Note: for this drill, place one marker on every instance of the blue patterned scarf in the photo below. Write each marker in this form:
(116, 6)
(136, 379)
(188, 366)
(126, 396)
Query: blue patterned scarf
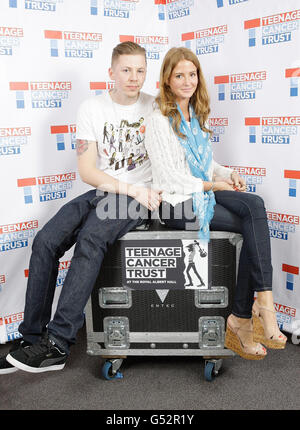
(199, 156)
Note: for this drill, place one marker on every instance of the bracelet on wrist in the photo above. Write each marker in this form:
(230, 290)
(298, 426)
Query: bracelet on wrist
(212, 186)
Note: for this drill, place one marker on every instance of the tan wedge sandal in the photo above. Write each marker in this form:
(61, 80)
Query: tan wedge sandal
(233, 342)
(270, 337)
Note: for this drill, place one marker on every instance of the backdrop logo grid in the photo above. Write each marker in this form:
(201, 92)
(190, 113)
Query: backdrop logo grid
(60, 131)
(218, 127)
(220, 3)
(206, 41)
(43, 94)
(273, 130)
(291, 271)
(99, 87)
(51, 187)
(2, 281)
(12, 139)
(284, 314)
(76, 44)
(154, 45)
(280, 224)
(293, 75)
(10, 39)
(114, 8)
(15, 236)
(274, 28)
(243, 86)
(36, 5)
(292, 176)
(10, 325)
(173, 9)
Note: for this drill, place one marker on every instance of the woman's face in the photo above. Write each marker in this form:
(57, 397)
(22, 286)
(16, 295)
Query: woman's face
(183, 80)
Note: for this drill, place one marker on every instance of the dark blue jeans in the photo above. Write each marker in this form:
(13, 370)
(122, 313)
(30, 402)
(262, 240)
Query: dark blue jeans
(93, 222)
(237, 212)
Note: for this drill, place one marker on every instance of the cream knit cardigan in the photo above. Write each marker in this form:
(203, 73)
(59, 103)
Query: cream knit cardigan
(170, 169)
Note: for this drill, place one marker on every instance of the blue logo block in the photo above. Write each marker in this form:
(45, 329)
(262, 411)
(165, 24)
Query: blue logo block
(220, 3)
(28, 195)
(289, 281)
(13, 3)
(20, 104)
(292, 187)
(28, 199)
(60, 142)
(294, 92)
(94, 7)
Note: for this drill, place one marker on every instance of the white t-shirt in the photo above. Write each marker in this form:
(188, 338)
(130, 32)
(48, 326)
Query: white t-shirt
(119, 131)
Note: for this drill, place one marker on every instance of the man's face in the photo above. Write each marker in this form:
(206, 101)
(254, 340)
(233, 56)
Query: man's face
(129, 73)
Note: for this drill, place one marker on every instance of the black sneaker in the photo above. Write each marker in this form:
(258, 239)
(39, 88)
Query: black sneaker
(5, 366)
(40, 357)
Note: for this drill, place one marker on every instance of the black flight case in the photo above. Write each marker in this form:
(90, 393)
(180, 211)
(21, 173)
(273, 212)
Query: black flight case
(162, 292)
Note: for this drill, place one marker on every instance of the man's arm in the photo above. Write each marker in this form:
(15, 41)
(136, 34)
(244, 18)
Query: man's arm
(90, 174)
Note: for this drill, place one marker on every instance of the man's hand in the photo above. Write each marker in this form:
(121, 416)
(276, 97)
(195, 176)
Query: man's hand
(148, 197)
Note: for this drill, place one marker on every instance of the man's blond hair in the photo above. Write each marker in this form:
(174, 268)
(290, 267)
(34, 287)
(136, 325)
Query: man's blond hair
(127, 48)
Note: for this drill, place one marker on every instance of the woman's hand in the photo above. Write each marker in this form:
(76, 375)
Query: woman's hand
(148, 197)
(223, 185)
(236, 183)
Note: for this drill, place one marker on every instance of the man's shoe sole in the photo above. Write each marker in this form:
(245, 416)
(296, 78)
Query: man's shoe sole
(8, 370)
(31, 369)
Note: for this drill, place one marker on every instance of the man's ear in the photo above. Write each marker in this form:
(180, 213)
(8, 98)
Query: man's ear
(111, 73)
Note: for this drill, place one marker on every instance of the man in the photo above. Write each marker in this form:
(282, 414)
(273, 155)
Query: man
(85, 220)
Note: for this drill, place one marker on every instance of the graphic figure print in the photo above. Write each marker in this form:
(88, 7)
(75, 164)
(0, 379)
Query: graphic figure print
(192, 250)
(123, 144)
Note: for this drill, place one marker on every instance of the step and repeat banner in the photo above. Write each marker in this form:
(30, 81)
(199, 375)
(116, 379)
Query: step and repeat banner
(56, 53)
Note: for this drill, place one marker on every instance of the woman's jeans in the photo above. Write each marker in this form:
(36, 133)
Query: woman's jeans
(237, 212)
(92, 222)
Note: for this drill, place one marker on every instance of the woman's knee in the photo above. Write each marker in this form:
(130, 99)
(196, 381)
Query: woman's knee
(258, 201)
(256, 205)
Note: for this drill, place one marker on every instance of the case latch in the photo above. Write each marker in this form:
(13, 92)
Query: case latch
(211, 332)
(116, 332)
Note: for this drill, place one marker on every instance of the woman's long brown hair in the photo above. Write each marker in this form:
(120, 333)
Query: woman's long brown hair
(166, 99)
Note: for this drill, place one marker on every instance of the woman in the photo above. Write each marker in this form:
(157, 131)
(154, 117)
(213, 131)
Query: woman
(200, 194)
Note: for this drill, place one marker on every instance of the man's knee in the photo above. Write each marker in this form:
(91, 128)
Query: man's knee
(41, 240)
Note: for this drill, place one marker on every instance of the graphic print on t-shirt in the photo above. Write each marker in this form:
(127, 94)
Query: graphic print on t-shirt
(123, 144)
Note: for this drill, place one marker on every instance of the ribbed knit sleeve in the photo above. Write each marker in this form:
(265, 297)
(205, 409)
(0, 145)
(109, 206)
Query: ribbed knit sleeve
(222, 171)
(170, 169)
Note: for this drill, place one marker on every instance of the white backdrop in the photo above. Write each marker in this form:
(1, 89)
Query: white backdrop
(55, 53)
